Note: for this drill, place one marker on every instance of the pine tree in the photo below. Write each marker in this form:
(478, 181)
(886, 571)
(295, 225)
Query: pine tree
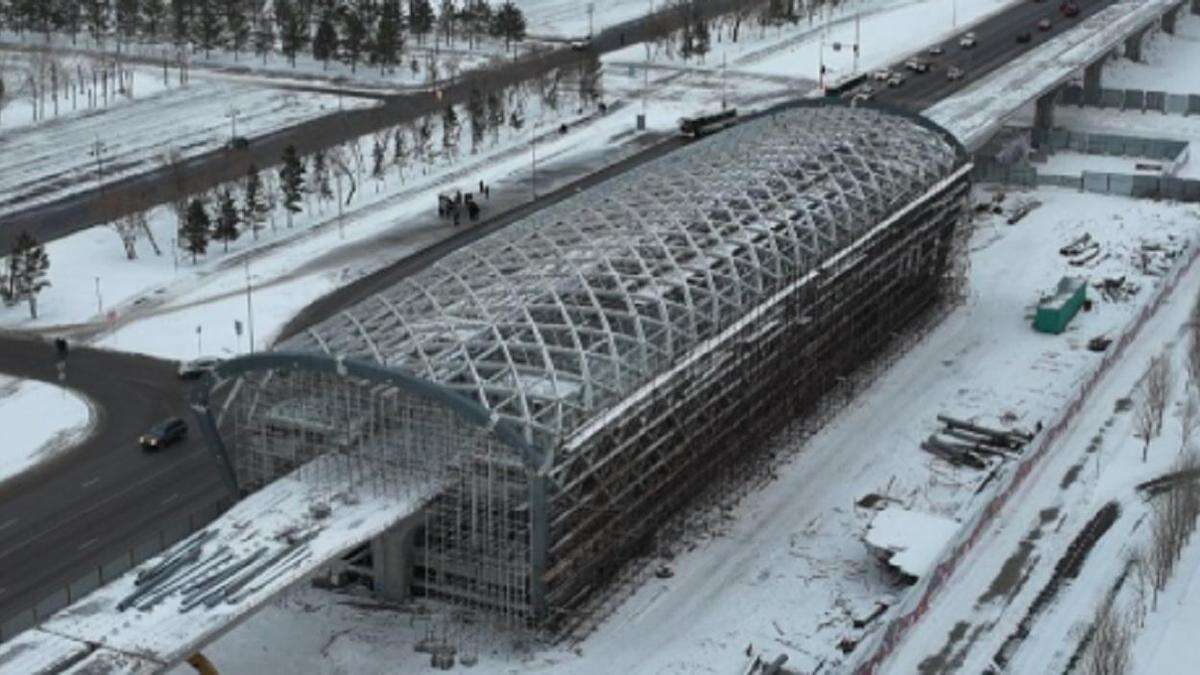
(389, 41)
(228, 220)
(208, 28)
(320, 177)
(495, 106)
(477, 114)
(196, 229)
(450, 129)
(420, 18)
(293, 32)
(181, 13)
(237, 25)
(129, 18)
(354, 38)
(253, 207)
(153, 12)
(325, 43)
(509, 22)
(264, 36)
(291, 178)
(378, 158)
(28, 266)
(97, 18)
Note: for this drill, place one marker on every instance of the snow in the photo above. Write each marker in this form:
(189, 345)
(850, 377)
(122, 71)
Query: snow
(38, 652)
(914, 539)
(1167, 644)
(40, 420)
(1075, 163)
(1168, 61)
(975, 113)
(983, 594)
(49, 161)
(271, 519)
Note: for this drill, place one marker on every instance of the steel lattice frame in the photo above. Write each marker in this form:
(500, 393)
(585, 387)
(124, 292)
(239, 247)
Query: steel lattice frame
(563, 314)
(643, 335)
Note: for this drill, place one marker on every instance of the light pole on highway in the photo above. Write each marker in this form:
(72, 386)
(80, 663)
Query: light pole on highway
(99, 299)
(533, 163)
(97, 151)
(232, 114)
(249, 309)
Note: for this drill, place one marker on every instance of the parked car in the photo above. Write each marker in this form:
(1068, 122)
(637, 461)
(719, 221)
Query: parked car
(882, 75)
(194, 369)
(1024, 37)
(968, 41)
(895, 80)
(954, 73)
(917, 66)
(164, 434)
(937, 50)
(1044, 24)
(860, 98)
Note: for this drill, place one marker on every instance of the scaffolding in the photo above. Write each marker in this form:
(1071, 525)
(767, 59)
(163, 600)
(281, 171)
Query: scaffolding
(645, 337)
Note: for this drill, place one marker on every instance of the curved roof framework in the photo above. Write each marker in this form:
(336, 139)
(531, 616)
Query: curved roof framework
(561, 315)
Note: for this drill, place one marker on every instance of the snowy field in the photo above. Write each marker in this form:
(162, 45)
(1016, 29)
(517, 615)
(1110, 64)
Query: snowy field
(1074, 163)
(57, 158)
(1168, 61)
(40, 420)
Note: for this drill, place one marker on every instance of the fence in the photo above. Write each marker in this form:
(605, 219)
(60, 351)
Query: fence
(1132, 99)
(917, 602)
(117, 562)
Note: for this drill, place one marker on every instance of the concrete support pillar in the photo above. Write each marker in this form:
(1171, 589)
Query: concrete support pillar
(1043, 117)
(1133, 45)
(1091, 81)
(1195, 6)
(1168, 20)
(392, 558)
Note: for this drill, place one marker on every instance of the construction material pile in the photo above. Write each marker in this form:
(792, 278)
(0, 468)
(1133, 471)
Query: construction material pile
(971, 445)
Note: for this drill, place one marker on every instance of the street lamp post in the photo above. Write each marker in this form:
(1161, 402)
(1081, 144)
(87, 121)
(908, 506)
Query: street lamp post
(98, 148)
(232, 114)
(99, 299)
(249, 309)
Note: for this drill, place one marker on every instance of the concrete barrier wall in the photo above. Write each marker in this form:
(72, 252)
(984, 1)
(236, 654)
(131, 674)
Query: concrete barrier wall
(1132, 99)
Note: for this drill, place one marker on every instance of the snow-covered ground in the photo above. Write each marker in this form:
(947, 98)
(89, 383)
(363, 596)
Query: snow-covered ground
(1168, 61)
(1074, 163)
(1167, 643)
(39, 421)
(785, 570)
(57, 158)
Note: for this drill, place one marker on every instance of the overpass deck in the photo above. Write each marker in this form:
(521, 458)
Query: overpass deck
(979, 111)
(265, 543)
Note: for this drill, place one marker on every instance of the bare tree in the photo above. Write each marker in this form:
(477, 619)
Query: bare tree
(1143, 585)
(1109, 651)
(1189, 419)
(1155, 393)
(128, 231)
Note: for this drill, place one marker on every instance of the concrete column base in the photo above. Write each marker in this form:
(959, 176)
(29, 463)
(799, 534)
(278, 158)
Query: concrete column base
(1091, 82)
(1043, 116)
(392, 559)
(1133, 47)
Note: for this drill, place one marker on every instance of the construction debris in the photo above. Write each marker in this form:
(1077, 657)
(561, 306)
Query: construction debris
(1116, 289)
(965, 444)
(1099, 343)
(908, 541)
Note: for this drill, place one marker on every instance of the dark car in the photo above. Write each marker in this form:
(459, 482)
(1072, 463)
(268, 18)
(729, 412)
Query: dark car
(1024, 37)
(164, 434)
(1044, 24)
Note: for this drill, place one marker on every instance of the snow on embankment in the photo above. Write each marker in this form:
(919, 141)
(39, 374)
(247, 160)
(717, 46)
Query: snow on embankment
(41, 420)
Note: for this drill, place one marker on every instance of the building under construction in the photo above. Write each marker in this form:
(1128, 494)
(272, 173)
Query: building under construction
(551, 393)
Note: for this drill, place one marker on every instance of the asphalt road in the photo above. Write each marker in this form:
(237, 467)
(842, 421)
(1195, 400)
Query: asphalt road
(997, 46)
(83, 508)
(160, 185)
(86, 505)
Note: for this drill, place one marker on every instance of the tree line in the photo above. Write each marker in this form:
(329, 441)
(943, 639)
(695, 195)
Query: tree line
(351, 31)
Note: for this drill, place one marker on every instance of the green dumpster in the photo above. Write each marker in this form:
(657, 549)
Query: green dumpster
(1056, 311)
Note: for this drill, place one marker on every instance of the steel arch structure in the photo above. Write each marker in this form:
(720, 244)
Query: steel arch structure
(640, 338)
